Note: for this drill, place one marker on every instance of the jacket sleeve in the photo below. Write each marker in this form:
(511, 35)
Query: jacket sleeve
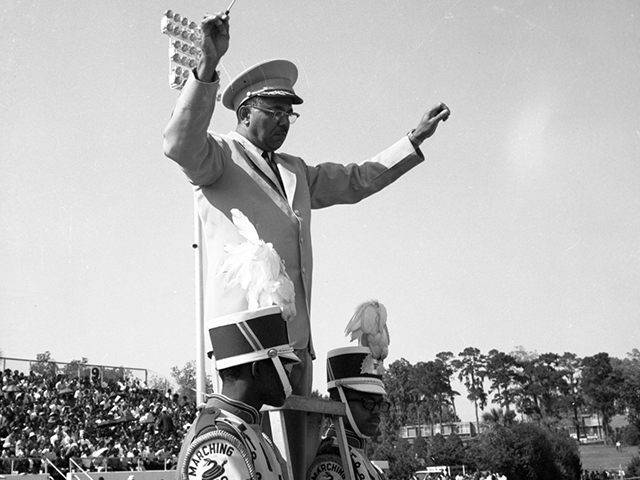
(186, 141)
(333, 183)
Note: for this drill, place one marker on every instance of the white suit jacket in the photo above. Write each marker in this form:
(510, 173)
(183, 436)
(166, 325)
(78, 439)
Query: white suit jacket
(226, 174)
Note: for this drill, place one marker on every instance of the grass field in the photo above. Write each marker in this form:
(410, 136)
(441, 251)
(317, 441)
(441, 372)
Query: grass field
(605, 457)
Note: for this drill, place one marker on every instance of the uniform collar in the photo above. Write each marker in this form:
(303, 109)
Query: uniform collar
(247, 413)
(246, 143)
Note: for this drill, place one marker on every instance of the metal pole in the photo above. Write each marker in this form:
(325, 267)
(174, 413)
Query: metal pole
(200, 355)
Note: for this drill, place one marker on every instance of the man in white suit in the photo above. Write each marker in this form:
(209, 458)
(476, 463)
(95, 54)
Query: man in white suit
(276, 191)
(245, 170)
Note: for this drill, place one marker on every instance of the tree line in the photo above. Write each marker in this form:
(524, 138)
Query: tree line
(541, 388)
(524, 435)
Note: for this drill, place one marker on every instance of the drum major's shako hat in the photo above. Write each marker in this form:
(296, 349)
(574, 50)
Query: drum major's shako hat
(249, 336)
(355, 368)
(270, 78)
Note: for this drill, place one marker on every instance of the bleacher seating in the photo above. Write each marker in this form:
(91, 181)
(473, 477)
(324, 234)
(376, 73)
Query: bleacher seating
(104, 425)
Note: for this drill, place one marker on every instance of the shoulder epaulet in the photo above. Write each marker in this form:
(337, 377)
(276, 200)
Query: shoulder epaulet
(206, 419)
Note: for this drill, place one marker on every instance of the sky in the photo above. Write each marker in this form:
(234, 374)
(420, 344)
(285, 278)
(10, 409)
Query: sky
(521, 228)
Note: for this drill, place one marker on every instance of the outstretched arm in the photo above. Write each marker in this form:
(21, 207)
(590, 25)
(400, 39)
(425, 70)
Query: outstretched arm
(332, 183)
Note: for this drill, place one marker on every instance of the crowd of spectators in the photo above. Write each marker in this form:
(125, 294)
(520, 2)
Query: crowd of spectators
(103, 425)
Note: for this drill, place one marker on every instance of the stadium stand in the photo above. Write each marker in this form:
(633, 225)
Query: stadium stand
(112, 425)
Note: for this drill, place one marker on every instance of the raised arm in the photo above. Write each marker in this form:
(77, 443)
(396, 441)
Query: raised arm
(186, 140)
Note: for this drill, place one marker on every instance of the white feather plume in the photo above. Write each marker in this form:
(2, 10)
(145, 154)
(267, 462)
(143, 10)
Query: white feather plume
(256, 267)
(369, 326)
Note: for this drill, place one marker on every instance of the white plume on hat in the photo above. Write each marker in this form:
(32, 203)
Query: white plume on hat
(256, 267)
(369, 326)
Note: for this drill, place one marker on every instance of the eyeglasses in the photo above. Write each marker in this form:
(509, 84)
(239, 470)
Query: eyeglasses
(278, 115)
(370, 404)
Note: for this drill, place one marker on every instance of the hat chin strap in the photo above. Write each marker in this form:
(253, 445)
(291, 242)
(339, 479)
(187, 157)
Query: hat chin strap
(284, 379)
(356, 430)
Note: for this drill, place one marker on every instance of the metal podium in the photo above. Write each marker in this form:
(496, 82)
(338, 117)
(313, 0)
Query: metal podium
(317, 411)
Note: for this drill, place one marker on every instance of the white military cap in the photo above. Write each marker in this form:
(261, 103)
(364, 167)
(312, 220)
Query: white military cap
(270, 78)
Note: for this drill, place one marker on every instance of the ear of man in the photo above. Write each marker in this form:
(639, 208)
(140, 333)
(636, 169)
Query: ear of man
(255, 370)
(243, 114)
(258, 369)
(244, 111)
(262, 370)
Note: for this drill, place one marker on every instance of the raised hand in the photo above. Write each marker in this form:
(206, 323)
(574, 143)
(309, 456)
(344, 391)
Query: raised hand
(430, 120)
(214, 44)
